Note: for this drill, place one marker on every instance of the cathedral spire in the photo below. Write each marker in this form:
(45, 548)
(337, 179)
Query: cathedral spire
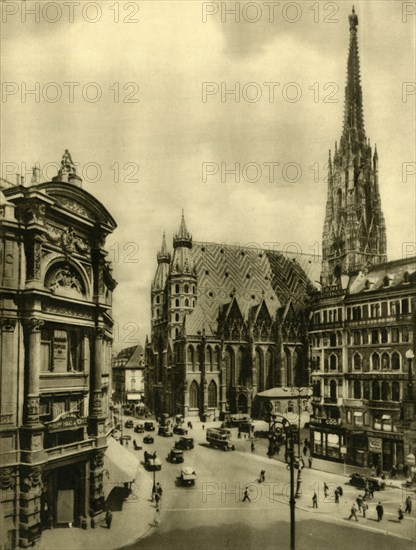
(353, 131)
(183, 237)
(163, 255)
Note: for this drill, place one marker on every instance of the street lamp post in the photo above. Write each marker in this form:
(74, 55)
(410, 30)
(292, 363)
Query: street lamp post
(300, 392)
(280, 422)
(410, 356)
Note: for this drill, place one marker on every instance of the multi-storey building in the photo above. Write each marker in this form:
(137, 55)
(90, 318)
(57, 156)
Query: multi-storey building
(128, 373)
(362, 329)
(227, 322)
(55, 354)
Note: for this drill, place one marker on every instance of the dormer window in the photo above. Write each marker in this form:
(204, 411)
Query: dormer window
(386, 281)
(406, 277)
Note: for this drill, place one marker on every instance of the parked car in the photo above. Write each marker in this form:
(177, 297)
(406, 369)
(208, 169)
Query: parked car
(175, 456)
(128, 423)
(179, 430)
(127, 411)
(148, 439)
(262, 433)
(358, 480)
(149, 426)
(188, 476)
(153, 464)
(165, 431)
(139, 428)
(184, 443)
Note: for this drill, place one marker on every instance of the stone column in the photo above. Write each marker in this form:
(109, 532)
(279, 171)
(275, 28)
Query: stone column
(97, 511)
(34, 327)
(96, 409)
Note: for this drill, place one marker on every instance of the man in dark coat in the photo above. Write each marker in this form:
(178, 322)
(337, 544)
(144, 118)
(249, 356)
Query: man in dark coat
(380, 511)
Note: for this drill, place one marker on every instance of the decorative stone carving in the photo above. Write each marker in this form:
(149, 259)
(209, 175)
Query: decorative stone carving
(35, 213)
(32, 408)
(33, 324)
(7, 324)
(98, 460)
(74, 206)
(7, 479)
(65, 277)
(32, 480)
(100, 332)
(97, 403)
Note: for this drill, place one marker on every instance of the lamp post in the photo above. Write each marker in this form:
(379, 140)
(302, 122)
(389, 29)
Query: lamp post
(298, 392)
(279, 423)
(410, 356)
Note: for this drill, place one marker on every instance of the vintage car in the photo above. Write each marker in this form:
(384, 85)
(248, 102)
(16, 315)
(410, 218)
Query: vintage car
(179, 430)
(188, 476)
(149, 426)
(175, 456)
(220, 438)
(148, 439)
(165, 431)
(152, 463)
(374, 484)
(184, 443)
(128, 423)
(139, 428)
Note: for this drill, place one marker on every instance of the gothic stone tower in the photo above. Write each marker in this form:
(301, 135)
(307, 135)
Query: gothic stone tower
(354, 232)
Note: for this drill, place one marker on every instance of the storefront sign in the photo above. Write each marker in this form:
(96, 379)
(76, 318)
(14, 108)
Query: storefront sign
(66, 422)
(375, 444)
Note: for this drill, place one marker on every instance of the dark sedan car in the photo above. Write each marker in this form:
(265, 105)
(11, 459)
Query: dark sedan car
(179, 430)
(374, 484)
(139, 428)
(128, 424)
(149, 426)
(148, 439)
(185, 443)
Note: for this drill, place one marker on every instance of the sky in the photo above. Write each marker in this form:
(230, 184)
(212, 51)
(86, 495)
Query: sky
(141, 95)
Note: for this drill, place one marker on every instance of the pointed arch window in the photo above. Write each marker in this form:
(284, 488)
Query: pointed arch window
(212, 394)
(177, 289)
(191, 357)
(176, 317)
(333, 389)
(375, 361)
(269, 369)
(186, 302)
(186, 290)
(229, 368)
(258, 358)
(357, 361)
(209, 359)
(333, 362)
(395, 361)
(194, 395)
(385, 361)
(177, 302)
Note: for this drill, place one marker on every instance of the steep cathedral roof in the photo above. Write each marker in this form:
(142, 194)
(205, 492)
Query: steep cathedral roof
(246, 277)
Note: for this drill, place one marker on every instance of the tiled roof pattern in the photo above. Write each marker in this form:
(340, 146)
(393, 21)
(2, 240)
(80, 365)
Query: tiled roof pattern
(249, 274)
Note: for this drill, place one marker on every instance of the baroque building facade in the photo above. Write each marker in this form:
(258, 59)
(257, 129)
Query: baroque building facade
(362, 329)
(55, 354)
(227, 322)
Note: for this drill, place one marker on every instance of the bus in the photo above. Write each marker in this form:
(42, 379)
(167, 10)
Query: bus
(220, 438)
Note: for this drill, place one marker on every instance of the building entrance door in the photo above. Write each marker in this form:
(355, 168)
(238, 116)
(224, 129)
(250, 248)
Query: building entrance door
(65, 506)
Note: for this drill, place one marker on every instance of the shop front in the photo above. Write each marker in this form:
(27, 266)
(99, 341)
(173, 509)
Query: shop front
(327, 439)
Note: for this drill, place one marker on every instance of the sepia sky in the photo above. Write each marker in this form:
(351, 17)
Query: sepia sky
(120, 84)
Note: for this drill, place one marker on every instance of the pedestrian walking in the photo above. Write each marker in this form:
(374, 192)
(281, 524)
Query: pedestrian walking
(262, 476)
(314, 500)
(340, 490)
(159, 490)
(380, 511)
(203, 427)
(336, 494)
(400, 513)
(157, 500)
(108, 519)
(393, 472)
(252, 447)
(310, 462)
(408, 502)
(326, 489)
(305, 450)
(353, 513)
(360, 502)
(365, 508)
(246, 495)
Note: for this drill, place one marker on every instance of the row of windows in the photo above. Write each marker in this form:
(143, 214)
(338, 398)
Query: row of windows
(186, 289)
(359, 419)
(378, 361)
(365, 311)
(357, 389)
(379, 309)
(384, 335)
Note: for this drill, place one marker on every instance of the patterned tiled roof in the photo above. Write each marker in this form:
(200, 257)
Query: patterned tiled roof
(250, 275)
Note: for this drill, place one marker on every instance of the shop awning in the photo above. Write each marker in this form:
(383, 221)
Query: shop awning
(120, 464)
